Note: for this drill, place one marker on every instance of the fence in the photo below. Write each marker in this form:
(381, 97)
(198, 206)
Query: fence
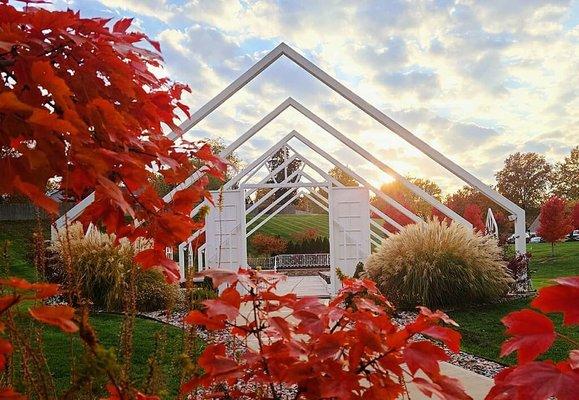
(291, 261)
(27, 211)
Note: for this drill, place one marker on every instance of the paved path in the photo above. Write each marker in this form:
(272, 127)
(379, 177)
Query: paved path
(310, 285)
(477, 386)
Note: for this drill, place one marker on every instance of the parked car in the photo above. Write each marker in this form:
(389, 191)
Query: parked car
(536, 239)
(573, 236)
(511, 239)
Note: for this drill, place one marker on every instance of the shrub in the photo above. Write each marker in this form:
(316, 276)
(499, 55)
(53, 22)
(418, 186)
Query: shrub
(349, 348)
(199, 295)
(310, 233)
(100, 266)
(268, 245)
(436, 264)
(153, 293)
(314, 245)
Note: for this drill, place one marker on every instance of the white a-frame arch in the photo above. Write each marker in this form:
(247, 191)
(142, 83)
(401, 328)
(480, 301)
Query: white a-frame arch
(283, 49)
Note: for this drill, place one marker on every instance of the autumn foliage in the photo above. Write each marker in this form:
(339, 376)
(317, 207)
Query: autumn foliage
(473, 214)
(267, 244)
(348, 349)
(532, 334)
(79, 101)
(575, 216)
(554, 221)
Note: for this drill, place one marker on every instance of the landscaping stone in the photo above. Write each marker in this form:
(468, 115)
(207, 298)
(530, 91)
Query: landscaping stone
(473, 363)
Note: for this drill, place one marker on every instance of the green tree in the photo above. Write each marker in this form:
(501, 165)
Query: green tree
(406, 197)
(525, 179)
(566, 176)
(341, 176)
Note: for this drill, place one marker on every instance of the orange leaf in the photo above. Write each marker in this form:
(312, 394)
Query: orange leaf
(42, 290)
(220, 276)
(151, 258)
(424, 355)
(10, 394)
(449, 337)
(9, 102)
(59, 316)
(5, 349)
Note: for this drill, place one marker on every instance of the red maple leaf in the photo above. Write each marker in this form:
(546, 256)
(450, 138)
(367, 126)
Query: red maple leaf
(563, 297)
(424, 355)
(536, 381)
(533, 334)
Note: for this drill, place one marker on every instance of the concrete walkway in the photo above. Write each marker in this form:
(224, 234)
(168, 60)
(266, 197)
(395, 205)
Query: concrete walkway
(309, 285)
(477, 386)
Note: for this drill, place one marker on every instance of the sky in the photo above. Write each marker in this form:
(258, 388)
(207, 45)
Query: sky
(477, 80)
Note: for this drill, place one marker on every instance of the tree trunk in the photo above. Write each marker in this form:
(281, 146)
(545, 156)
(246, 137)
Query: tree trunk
(553, 249)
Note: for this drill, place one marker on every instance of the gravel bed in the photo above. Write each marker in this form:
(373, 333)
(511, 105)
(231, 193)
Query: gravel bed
(473, 363)
(468, 361)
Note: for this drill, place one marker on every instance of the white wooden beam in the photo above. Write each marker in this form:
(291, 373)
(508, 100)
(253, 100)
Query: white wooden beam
(270, 216)
(255, 163)
(374, 160)
(229, 91)
(269, 194)
(284, 185)
(383, 119)
(396, 128)
(318, 203)
(272, 173)
(372, 208)
(364, 182)
(270, 206)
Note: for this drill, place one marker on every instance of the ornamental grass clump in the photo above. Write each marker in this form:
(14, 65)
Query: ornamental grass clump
(436, 264)
(101, 267)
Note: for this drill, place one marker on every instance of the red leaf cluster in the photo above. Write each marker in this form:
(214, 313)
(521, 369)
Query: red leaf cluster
(473, 214)
(79, 100)
(575, 216)
(554, 222)
(533, 334)
(348, 349)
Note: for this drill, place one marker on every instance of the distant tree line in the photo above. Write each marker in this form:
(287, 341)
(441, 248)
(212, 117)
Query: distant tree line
(527, 179)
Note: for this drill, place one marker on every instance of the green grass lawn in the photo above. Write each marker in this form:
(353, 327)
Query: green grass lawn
(57, 345)
(483, 333)
(288, 225)
(16, 236)
(61, 349)
(481, 328)
(544, 267)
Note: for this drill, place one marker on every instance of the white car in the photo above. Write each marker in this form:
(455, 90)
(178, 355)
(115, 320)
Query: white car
(511, 239)
(536, 239)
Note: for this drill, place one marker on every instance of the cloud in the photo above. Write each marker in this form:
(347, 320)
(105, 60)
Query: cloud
(424, 83)
(475, 79)
(159, 9)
